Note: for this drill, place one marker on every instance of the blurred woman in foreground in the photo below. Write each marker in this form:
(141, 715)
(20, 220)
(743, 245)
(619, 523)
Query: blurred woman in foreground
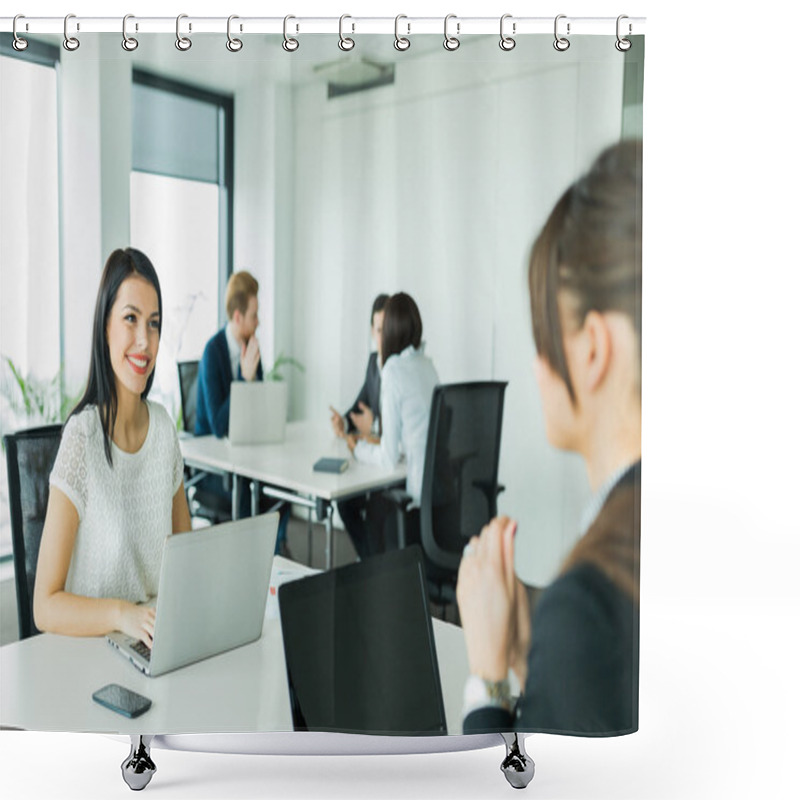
(578, 663)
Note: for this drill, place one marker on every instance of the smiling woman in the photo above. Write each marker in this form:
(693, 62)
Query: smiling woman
(100, 555)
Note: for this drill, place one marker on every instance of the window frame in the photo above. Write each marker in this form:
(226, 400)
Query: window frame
(224, 104)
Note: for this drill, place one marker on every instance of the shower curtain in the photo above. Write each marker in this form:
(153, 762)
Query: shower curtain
(332, 175)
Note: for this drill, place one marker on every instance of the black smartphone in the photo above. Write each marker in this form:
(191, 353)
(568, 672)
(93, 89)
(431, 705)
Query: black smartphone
(122, 700)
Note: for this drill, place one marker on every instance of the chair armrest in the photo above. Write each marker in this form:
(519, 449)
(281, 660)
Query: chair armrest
(401, 501)
(399, 498)
(490, 492)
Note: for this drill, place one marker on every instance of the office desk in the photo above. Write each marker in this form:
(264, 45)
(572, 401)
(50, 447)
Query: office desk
(286, 470)
(47, 681)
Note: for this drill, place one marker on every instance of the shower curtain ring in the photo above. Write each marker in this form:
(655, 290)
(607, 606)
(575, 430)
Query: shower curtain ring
(507, 42)
(451, 43)
(71, 43)
(129, 43)
(183, 43)
(289, 44)
(561, 43)
(19, 44)
(345, 42)
(622, 44)
(233, 44)
(401, 43)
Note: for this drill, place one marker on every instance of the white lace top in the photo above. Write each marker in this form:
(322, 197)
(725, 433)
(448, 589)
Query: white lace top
(126, 512)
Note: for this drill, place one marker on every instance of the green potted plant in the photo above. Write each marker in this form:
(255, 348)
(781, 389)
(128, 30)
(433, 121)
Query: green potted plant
(32, 400)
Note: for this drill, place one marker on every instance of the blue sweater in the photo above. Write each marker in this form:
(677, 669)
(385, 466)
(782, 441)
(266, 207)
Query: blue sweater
(214, 380)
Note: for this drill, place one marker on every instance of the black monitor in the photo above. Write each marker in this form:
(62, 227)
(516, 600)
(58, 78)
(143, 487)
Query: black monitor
(360, 653)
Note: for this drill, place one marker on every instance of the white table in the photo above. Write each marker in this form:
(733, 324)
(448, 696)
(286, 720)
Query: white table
(48, 681)
(286, 470)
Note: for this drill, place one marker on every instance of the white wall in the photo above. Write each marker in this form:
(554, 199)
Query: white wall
(437, 186)
(254, 195)
(95, 163)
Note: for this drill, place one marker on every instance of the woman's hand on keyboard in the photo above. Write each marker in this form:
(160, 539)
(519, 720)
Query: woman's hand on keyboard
(138, 621)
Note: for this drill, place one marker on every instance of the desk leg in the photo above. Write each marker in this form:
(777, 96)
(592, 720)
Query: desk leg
(236, 490)
(329, 536)
(138, 768)
(255, 495)
(310, 537)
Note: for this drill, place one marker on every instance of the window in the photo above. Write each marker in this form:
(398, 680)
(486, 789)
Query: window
(181, 211)
(30, 320)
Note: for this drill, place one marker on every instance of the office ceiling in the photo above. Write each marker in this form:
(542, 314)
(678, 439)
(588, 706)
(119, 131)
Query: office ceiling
(262, 57)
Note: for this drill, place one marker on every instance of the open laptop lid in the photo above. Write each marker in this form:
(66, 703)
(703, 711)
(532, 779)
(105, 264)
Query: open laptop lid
(212, 591)
(257, 412)
(360, 652)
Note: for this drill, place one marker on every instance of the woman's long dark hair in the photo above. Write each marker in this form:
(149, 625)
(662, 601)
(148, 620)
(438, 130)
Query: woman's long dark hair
(101, 388)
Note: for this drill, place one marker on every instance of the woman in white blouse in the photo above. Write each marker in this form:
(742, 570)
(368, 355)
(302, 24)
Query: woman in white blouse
(116, 489)
(408, 378)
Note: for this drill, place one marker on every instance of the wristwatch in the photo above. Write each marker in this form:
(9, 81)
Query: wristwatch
(479, 693)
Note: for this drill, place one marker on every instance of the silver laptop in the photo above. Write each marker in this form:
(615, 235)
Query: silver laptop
(212, 594)
(257, 412)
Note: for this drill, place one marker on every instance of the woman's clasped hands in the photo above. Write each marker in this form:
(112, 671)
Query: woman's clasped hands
(493, 604)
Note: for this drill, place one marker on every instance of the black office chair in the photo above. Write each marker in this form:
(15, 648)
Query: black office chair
(30, 455)
(208, 505)
(187, 381)
(459, 480)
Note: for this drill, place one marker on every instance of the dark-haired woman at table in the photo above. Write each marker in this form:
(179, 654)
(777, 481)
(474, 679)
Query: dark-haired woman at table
(408, 378)
(116, 489)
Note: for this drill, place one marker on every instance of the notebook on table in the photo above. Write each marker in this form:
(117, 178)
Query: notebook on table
(335, 465)
(212, 593)
(359, 648)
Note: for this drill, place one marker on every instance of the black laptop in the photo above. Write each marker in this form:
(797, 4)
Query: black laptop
(360, 653)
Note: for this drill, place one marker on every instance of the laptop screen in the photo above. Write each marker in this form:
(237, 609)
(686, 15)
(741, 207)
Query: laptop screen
(359, 648)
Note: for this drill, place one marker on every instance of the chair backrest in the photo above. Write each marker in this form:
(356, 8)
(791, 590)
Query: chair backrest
(187, 379)
(30, 455)
(459, 481)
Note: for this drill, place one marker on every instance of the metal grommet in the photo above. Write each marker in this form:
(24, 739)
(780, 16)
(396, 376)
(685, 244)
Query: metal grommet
(451, 43)
(622, 44)
(507, 42)
(400, 42)
(561, 43)
(129, 43)
(233, 44)
(289, 44)
(19, 44)
(183, 43)
(345, 42)
(70, 42)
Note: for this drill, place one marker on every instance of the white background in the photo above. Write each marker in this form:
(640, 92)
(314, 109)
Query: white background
(720, 600)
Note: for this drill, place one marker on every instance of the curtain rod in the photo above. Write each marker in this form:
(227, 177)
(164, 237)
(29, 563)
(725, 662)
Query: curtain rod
(406, 26)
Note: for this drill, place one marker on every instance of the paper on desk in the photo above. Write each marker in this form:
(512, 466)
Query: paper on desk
(283, 571)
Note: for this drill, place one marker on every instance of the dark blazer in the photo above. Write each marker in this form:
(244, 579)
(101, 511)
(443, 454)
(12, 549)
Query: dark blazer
(370, 393)
(214, 378)
(583, 666)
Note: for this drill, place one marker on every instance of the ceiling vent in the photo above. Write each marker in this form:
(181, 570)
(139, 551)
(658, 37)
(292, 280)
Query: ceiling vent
(354, 74)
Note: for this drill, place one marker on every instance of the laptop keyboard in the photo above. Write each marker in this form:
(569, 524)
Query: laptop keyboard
(142, 649)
